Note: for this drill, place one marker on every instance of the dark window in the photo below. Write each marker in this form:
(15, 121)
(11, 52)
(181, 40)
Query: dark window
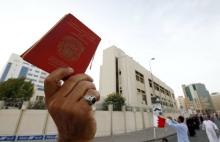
(5, 73)
(150, 82)
(144, 98)
(156, 86)
(23, 72)
(39, 98)
(117, 78)
(142, 80)
(194, 86)
(43, 73)
(139, 76)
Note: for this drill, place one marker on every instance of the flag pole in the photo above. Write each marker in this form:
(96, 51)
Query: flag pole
(155, 135)
(154, 132)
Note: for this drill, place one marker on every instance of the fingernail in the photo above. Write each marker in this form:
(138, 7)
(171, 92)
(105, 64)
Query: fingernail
(70, 70)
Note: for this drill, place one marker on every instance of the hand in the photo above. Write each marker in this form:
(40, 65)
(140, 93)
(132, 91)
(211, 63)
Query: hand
(71, 113)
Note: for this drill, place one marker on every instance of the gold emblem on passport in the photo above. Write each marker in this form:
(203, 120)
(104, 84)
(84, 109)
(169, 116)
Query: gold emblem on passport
(70, 48)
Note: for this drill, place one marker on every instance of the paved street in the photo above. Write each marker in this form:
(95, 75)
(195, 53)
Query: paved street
(147, 135)
(200, 136)
(139, 136)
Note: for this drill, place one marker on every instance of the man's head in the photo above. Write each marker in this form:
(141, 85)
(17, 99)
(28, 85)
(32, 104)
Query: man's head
(209, 117)
(180, 119)
(164, 140)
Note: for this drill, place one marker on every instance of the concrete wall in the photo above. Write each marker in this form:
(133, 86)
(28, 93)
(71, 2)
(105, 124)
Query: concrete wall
(8, 121)
(39, 122)
(130, 121)
(32, 122)
(51, 128)
(103, 123)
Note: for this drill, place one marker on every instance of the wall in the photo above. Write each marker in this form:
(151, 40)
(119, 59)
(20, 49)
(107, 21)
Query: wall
(39, 122)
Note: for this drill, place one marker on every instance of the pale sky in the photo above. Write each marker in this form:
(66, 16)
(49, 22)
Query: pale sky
(183, 35)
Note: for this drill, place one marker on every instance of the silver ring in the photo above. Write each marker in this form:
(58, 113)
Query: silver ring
(90, 99)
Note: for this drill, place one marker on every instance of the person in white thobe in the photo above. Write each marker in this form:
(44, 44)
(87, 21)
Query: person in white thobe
(210, 128)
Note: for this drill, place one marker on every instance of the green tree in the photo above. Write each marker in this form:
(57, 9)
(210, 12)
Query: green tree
(16, 88)
(116, 100)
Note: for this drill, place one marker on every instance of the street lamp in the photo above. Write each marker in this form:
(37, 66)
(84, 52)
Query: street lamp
(152, 78)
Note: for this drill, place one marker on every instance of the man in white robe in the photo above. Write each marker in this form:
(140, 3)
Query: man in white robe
(210, 128)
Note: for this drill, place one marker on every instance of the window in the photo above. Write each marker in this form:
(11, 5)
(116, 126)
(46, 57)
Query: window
(156, 86)
(144, 99)
(119, 72)
(150, 82)
(161, 89)
(41, 81)
(43, 73)
(142, 91)
(194, 87)
(39, 98)
(42, 77)
(5, 73)
(23, 72)
(139, 76)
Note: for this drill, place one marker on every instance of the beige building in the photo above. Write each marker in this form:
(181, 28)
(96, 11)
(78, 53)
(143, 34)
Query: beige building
(181, 103)
(215, 97)
(122, 74)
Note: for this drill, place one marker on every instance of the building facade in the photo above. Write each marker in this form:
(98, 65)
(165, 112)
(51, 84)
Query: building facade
(181, 102)
(197, 97)
(121, 74)
(215, 97)
(17, 67)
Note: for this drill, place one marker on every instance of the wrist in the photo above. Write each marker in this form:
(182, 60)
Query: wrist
(72, 139)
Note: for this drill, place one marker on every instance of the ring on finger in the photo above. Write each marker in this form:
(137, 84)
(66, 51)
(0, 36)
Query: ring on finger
(90, 99)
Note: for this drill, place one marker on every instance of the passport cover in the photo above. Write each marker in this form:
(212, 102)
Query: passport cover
(68, 44)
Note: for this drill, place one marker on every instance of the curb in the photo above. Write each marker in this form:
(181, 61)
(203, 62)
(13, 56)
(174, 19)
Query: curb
(160, 138)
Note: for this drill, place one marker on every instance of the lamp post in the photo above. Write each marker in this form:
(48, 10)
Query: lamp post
(152, 78)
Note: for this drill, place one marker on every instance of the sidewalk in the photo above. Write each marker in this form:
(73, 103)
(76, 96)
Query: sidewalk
(138, 136)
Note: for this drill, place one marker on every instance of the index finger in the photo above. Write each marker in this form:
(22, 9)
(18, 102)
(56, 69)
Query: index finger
(50, 83)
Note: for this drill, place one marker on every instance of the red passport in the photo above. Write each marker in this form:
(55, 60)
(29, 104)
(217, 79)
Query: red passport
(68, 44)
